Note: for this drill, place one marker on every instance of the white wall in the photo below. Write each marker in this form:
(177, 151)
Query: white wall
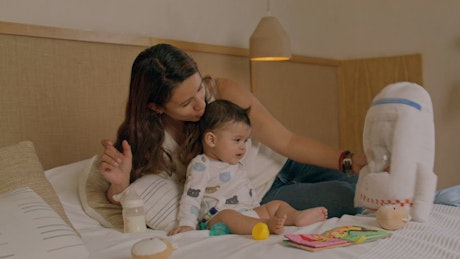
(322, 28)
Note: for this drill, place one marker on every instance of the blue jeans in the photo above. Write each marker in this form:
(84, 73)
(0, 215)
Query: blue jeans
(306, 186)
(449, 196)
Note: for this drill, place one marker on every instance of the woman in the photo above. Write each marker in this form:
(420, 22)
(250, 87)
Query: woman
(159, 134)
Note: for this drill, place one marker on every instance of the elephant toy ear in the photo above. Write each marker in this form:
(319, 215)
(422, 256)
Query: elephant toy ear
(398, 139)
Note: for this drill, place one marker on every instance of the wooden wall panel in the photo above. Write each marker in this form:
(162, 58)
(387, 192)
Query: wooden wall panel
(302, 95)
(228, 66)
(359, 81)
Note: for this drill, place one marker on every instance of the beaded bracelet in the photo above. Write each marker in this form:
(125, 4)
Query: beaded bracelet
(346, 163)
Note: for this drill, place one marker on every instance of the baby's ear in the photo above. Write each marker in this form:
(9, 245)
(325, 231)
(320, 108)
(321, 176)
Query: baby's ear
(210, 139)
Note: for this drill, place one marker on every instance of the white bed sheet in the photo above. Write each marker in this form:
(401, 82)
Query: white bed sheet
(438, 238)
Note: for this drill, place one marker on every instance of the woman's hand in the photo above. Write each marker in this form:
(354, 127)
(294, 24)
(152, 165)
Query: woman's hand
(359, 161)
(116, 167)
(180, 229)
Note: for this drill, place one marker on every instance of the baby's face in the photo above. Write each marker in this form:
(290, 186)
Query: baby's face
(230, 142)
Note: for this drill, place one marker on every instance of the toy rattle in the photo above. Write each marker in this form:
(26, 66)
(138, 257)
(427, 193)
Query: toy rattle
(152, 248)
(392, 217)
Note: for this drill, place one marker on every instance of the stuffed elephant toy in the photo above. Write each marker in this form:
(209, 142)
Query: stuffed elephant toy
(398, 141)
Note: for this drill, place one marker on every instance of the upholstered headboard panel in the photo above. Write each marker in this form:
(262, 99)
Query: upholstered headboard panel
(65, 95)
(62, 95)
(65, 89)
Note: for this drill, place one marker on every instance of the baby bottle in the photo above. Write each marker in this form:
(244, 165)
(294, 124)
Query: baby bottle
(133, 212)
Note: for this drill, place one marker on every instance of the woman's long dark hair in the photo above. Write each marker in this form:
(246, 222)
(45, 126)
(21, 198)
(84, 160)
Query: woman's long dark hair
(155, 73)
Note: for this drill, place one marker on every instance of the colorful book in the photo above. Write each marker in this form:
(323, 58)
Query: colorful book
(314, 242)
(336, 237)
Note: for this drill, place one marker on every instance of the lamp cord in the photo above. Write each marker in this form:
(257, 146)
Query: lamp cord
(268, 8)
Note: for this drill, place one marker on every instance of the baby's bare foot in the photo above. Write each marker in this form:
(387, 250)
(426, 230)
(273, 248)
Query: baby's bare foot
(310, 216)
(276, 224)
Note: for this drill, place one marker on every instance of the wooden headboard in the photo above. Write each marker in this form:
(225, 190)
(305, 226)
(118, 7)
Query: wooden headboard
(65, 89)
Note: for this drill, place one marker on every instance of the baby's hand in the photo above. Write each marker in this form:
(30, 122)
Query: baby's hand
(180, 229)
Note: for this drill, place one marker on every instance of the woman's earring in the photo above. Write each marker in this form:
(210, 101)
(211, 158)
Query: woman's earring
(155, 109)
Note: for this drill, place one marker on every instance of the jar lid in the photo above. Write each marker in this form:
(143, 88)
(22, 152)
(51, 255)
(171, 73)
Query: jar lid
(133, 203)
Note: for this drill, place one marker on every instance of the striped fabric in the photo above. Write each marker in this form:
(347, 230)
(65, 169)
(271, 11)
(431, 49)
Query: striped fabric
(30, 228)
(438, 238)
(161, 197)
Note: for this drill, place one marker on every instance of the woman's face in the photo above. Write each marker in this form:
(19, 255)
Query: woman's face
(187, 101)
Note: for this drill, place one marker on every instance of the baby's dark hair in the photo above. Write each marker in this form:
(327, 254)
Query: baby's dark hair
(222, 111)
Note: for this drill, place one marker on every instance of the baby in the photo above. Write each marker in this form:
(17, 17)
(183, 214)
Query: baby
(217, 188)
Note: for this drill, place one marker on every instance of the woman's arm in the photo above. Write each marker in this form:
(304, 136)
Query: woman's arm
(275, 135)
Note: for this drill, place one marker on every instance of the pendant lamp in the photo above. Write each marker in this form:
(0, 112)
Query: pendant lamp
(269, 41)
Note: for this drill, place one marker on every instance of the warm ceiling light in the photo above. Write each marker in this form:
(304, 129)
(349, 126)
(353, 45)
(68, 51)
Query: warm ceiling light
(269, 41)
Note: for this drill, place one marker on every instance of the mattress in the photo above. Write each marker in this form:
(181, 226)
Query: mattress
(437, 238)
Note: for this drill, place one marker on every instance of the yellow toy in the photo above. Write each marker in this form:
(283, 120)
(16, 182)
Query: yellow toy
(260, 231)
(152, 248)
(392, 217)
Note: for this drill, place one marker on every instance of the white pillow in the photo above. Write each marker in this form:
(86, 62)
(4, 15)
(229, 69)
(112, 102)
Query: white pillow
(161, 197)
(20, 167)
(161, 200)
(30, 228)
(92, 187)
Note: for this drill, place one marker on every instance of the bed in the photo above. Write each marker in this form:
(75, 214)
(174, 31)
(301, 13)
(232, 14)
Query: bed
(438, 238)
(48, 144)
